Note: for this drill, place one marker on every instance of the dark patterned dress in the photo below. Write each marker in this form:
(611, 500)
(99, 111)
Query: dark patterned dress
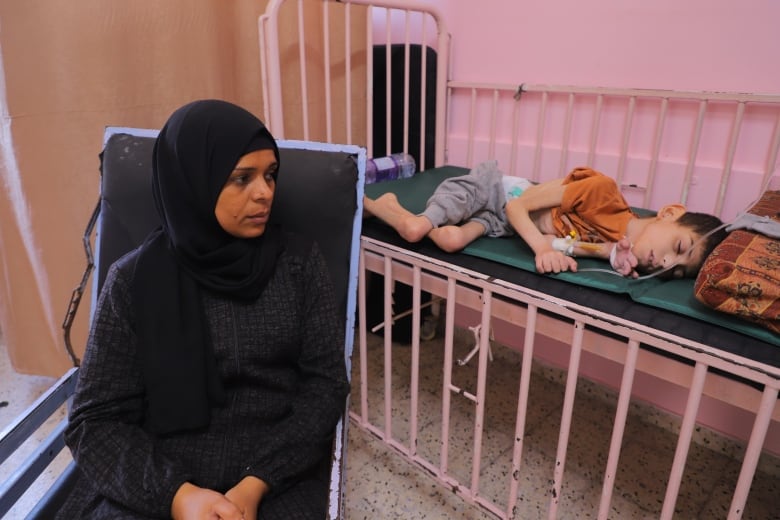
(281, 359)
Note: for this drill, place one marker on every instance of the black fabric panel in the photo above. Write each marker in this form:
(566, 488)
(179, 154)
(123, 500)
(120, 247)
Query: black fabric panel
(397, 68)
(612, 303)
(127, 212)
(316, 195)
(402, 297)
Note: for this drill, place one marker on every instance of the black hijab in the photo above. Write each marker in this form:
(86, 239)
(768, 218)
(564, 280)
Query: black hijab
(194, 155)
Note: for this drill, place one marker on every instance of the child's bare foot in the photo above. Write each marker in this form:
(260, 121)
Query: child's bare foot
(386, 207)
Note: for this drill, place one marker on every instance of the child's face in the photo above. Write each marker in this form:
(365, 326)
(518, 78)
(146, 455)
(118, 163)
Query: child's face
(664, 242)
(244, 204)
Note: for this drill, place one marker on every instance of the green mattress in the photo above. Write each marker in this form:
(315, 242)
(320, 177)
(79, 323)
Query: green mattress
(671, 295)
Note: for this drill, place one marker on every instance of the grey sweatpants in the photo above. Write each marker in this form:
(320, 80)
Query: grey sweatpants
(477, 196)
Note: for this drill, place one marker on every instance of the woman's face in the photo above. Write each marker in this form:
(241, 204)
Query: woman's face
(244, 204)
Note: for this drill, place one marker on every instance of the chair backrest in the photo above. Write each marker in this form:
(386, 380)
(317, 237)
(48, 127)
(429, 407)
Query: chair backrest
(319, 193)
(316, 194)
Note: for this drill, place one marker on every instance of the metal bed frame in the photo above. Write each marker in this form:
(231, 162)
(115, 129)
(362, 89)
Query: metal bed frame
(543, 131)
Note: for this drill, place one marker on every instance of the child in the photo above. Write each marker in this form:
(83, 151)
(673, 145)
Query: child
(585, 205)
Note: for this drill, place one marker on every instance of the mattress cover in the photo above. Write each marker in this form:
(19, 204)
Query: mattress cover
(668, 305)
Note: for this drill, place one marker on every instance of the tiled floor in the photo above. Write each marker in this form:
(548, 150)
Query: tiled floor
(381, 485)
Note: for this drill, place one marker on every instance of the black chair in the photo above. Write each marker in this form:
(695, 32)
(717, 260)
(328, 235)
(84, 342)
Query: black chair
(319, 193)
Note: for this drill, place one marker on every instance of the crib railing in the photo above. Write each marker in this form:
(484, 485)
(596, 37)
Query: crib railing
(712, 151)
(336, 83)
(537, 315)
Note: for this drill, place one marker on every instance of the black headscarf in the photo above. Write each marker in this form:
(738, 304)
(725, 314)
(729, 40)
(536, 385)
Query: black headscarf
(194, 155)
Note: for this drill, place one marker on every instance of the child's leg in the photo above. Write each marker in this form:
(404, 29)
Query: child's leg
(454, 238)
(411, 227)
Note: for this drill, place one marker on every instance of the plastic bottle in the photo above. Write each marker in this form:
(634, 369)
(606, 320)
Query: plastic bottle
(390, 167)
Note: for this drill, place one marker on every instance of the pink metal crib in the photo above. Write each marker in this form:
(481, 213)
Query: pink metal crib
(541, 132)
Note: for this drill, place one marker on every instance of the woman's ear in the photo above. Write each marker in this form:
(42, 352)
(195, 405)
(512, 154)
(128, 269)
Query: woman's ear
(671, 211)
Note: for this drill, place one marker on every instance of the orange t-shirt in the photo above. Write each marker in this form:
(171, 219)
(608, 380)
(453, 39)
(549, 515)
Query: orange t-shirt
(593, 206)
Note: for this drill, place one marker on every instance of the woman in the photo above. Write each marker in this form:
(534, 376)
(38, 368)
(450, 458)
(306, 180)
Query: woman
(214, 374)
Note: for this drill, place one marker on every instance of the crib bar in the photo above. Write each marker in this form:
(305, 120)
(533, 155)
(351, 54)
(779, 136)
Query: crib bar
(749, 463)
(693, 150)
(415, 382)
(594, 130)
(388, 347)
(369, 83)
(515, 133)
(472, 117)
(479, 419)
(348, 71)
(262, 37)
(447, 380)
(423, 90)
(269, 52)
(733, 141)
(407, 66)
(772, 153)
(539, 138)
(562, 170)
(684, 440)
(627, 126)
(302, 70)
(326, 53)
(618, 428)
(522, 406)
(388, 83)
(568, 411)
(659, 130)
(493, 126)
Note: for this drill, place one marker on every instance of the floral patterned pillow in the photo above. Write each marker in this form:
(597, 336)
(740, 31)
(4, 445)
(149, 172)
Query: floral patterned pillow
(742, 275)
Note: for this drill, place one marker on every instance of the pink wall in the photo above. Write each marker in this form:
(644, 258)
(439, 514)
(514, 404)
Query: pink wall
(667, 44)
(701, 45)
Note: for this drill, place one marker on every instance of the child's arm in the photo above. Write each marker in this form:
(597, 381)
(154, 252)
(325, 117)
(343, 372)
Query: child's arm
(619, 255)
(518, 211)
(548, 259)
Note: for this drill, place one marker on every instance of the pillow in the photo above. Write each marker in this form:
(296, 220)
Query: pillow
(742, 274)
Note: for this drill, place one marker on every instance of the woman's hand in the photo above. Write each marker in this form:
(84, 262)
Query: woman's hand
(196, 503)
(247, 495)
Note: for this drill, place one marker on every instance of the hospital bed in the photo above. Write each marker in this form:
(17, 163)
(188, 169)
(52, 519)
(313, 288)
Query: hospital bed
(715, 152)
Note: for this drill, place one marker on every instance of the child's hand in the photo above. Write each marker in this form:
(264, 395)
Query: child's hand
(553, 261)
(622, 259)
